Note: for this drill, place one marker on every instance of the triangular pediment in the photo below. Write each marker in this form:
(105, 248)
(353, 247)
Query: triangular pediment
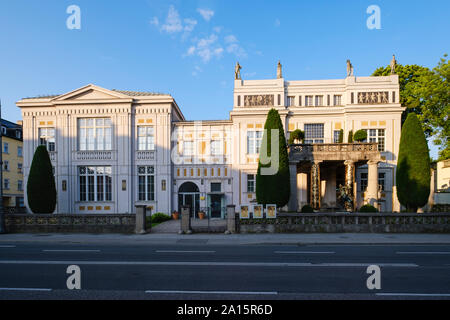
(90, 92)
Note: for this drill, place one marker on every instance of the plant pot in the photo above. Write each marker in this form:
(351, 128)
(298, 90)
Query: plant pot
(175, 215)
(201, 215)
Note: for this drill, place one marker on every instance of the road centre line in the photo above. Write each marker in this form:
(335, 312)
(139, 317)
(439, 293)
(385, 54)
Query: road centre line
(206, 263)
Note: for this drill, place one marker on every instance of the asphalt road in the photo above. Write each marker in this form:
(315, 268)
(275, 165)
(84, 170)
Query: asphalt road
(111, 271)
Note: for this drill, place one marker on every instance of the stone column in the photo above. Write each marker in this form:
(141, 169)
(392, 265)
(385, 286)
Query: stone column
(185, 220)
(140, 220)
(372, 184)
(349, 183)
(231, 219)
(293, 203)
(315, 185)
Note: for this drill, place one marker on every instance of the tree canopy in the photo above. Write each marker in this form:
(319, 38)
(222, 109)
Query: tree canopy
(427, 93)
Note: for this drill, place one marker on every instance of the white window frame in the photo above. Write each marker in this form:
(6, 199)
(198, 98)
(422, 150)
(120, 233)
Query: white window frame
(104, 172)
(47, 138)
(146, 189)
(93, 135)
(146, 138)
(254, 141)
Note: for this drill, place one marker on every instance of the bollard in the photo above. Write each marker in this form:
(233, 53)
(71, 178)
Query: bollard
(185, 220)
(140, 220)
(231, 219)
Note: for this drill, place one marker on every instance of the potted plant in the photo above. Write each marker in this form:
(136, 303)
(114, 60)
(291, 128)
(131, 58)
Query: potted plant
(175, 215)
(201, 215)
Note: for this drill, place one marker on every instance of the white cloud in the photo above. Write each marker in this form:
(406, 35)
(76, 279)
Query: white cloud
(206, 48)
(154, 21)
(189, 24)
(206, 13)
(231, 39)
(173, 21)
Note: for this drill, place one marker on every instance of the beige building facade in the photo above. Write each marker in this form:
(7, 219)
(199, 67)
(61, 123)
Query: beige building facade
(113, 150)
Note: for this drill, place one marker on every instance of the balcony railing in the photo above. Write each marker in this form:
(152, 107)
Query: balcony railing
(334, 151)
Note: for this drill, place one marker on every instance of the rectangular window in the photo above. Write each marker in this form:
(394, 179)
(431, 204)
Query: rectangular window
(290, 101)
(146, 180)
(251, 182)
(381, 180)
(20, 185)
(95, 184)
(364, 179)
(337, 100)
(254, 140)
(216, 187)
(47, 138)
(377, 136)
(216, 147)
(314, 133)
(308, 101)
(336, 134)
(146, 138)
(94, 134)
(319, 101)
(188, 148)
(5, 147)
(19, 151)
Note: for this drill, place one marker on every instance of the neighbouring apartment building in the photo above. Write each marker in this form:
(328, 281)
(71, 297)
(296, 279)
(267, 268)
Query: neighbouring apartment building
(113, 150)
(12, 167)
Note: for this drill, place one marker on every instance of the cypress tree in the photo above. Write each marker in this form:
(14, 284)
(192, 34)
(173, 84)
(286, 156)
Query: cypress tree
(413, 166)
(41, 189)
(273, 189)
(341, 136)
(350, 136)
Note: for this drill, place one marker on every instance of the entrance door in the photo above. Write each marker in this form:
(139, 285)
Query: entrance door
(189, 195)
(216, 205)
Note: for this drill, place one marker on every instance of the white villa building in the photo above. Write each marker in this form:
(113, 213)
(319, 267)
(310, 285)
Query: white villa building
(113, 150)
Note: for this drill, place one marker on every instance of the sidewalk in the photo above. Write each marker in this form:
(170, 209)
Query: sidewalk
(234, 239)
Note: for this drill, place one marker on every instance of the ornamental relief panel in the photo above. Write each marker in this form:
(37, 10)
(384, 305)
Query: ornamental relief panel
(259, 100)
(373, 97)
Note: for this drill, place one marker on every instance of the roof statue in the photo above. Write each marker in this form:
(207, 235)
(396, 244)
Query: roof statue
(237, 71)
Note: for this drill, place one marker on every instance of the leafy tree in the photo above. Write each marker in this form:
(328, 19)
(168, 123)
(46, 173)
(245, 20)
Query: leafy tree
(360, 135)
(350, 136)
(41, 188)
(413, 167)
(298, 135)
(341, 136)
(273, 189)
(426, 92)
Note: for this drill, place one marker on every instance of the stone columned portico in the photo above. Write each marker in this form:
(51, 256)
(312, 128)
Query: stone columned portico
(327, 168)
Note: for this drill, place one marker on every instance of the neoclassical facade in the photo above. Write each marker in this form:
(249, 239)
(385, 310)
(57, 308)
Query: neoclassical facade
(113, 150)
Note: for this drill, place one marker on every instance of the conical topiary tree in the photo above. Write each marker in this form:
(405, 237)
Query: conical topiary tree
(41, 189)
(273, 189)
(350, 136)
(413, 166)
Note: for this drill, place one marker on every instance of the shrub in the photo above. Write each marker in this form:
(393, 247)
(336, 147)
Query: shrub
(275, 188)
(413, 166)
(307, 209)
(350, 136)
(41, 188)
(160, 217)
(341, 136)
(368, 208)
(360, 135)
(296, 135)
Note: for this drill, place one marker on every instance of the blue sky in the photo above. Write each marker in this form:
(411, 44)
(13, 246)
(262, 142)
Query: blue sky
(189, 48)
